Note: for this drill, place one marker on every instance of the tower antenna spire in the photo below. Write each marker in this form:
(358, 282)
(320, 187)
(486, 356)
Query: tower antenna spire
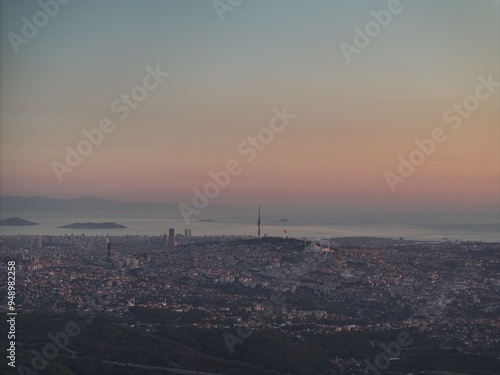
(258, 224)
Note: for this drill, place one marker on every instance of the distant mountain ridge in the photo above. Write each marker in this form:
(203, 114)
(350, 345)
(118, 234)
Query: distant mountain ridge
(83, 204)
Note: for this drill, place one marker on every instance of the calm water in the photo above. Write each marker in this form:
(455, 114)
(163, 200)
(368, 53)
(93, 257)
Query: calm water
(297, 226)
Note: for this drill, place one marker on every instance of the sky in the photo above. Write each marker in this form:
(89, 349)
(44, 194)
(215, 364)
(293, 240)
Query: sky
(352, 115)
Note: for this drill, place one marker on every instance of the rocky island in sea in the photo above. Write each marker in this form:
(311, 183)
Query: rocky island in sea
(16, 222)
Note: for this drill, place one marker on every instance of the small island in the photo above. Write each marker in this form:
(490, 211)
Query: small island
(16, 222)
(108, 225)
(282, 221)
(208, 220)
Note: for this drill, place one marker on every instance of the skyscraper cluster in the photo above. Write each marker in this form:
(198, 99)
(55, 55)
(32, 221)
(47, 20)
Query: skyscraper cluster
(169, 241)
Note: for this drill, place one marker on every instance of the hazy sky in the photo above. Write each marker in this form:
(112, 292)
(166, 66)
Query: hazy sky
(353, 120)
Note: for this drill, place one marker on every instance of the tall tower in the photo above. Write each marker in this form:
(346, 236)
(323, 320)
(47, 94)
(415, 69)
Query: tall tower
(258, 224)
(171, 238)
(108, 248)
(164, 240)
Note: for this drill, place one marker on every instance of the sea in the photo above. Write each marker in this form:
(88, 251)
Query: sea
(312, 226)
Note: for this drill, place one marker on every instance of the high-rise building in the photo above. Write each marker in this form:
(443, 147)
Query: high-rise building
(164, 240)
(171, 238)
(109, 249)
(189, 232)
(186, 233)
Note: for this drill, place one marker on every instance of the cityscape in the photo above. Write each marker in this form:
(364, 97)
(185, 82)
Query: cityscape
(250, 187)
(442, 296)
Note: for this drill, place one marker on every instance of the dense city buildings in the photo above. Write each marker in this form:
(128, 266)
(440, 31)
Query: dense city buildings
(171, 238)
(448, 291)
